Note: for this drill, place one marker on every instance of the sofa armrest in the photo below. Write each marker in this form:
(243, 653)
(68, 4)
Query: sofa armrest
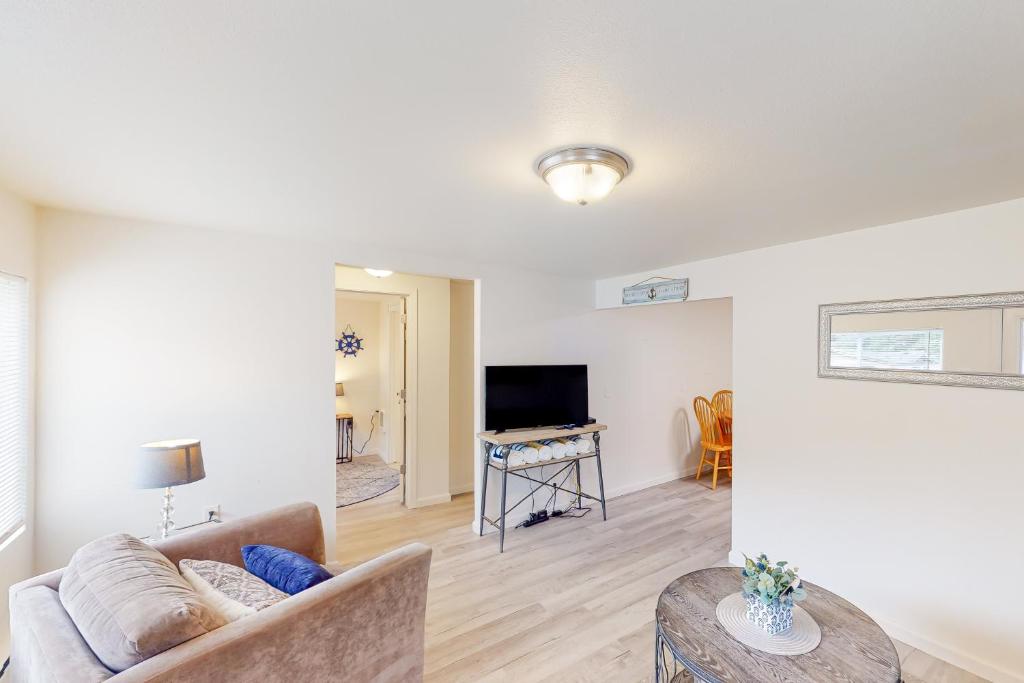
(49, 579)
(45, 645)
(365, 625)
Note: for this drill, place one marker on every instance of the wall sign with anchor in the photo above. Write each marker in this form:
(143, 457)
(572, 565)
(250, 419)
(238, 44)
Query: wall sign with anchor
(665, 289)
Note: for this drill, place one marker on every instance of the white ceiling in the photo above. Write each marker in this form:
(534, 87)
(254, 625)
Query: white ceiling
(417, 124)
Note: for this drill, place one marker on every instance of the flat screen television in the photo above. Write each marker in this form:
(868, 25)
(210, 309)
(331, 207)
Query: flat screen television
(524, 396)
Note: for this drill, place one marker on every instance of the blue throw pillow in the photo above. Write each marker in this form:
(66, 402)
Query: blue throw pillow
(283, 569)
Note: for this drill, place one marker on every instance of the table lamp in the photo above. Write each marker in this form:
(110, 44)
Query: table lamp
(164, 464)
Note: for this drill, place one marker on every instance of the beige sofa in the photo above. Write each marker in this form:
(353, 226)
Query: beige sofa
(363, 625)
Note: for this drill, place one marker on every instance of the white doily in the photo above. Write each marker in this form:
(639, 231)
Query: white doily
(802, 637)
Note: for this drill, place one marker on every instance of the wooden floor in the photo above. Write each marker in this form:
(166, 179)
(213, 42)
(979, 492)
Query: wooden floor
(569, 600)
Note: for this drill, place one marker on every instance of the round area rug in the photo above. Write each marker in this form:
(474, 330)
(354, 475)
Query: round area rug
(361, 480)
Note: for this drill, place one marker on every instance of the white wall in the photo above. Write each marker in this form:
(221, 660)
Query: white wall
(361, 374)
(462, 441)
(647, 365)
(644, 366)
(151, 332)
(17, 257)
(903, 498)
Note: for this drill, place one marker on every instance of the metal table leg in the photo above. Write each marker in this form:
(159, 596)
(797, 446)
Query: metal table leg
(483, 488)
(579, 488)
(658, 654)
(337, 444)
(667, 668)
(600, 473)
(351, 436)
(345, 429)
(504, 488)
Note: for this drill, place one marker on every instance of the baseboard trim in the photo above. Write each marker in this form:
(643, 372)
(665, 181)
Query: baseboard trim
(953, 656)
(919, 642)
(431, 500)
(464, 488)
(646, 484)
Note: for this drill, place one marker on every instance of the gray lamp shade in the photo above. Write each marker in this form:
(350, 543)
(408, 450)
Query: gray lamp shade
(169, 463)
(339, 389)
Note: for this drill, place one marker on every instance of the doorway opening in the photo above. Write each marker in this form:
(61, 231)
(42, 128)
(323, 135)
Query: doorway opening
(406, 374)
(370, 390)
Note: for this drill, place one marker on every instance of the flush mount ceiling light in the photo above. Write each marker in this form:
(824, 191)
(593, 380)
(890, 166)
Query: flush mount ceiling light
(377, 272)
(582, 174)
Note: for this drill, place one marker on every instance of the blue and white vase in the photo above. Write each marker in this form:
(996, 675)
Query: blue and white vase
(775, 617)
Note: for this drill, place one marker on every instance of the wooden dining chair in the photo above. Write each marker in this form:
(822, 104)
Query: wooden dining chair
(722, 403)
(712, 439)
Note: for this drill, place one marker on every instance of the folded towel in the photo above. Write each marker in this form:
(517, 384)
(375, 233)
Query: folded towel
(584, 445)
(543, 450)
(515, 458)
(570, 447)
(530, 454)
(557, 448)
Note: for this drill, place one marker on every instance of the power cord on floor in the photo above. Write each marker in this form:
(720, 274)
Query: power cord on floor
(3, 669)
(533, 518)
(553, 500)
(370, 435)
(570, 512)
(543, 516)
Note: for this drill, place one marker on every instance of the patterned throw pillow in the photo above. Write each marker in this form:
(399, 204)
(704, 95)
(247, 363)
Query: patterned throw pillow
(232, 590)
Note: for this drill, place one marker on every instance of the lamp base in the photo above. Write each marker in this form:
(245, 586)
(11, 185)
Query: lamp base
(166, 521)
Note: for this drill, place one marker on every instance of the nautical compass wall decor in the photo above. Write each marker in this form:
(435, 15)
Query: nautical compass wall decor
(349, 344)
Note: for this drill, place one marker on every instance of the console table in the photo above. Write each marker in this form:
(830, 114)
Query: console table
(491, 440)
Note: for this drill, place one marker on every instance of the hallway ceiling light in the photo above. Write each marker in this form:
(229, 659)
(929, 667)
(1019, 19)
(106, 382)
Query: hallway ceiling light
(582, 174)
(377, 272)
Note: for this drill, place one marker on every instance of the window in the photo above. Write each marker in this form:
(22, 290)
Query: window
(13, 404)
(888, 350)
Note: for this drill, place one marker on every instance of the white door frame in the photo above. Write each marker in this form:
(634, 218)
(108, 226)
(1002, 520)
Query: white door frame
(394, 403)
(411, 396)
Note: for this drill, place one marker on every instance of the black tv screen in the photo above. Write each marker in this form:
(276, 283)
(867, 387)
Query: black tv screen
(523, 396)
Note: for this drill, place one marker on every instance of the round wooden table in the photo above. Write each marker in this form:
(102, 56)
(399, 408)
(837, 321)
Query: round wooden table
(688, 635)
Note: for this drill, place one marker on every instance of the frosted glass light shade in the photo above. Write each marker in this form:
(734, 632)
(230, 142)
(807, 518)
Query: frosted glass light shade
(583, 175)
(169, 463)
(378, 272)
(582, 183)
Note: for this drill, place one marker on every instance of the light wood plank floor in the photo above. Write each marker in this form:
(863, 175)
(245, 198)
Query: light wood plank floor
(569, 600)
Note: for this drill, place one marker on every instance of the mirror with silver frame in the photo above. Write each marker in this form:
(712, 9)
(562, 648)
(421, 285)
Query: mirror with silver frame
(969, 341)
